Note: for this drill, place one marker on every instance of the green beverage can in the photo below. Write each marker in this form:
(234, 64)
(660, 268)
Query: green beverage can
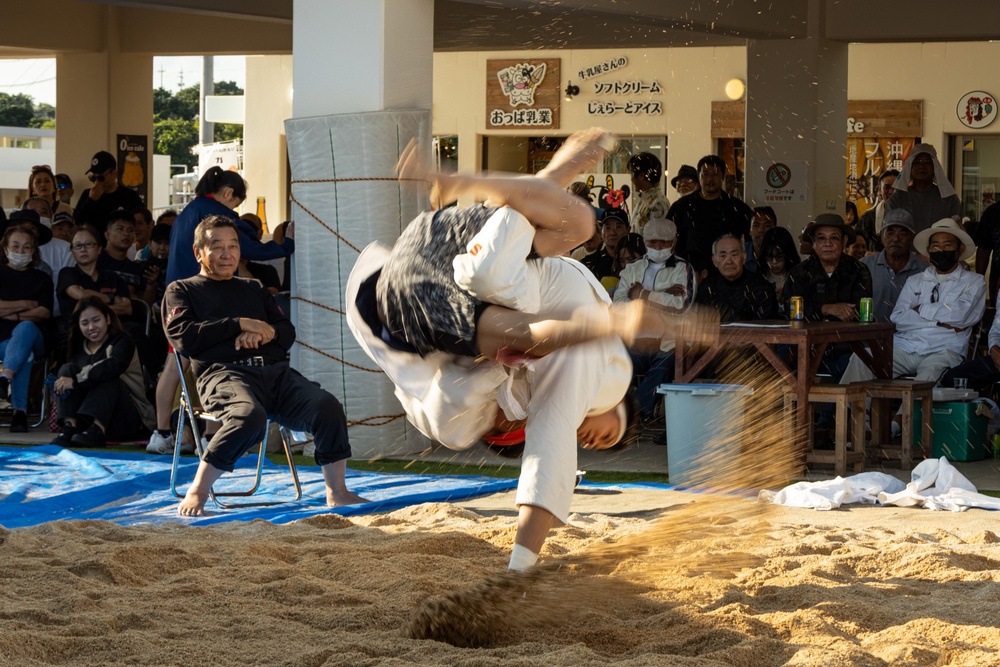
(865, 310)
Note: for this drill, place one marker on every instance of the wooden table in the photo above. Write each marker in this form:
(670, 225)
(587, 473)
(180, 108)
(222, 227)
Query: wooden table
(810, 340)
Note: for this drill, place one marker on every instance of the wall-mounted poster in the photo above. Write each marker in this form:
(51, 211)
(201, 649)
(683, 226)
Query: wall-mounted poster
(133, 163)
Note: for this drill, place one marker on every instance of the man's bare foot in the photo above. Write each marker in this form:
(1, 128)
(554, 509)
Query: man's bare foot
(699, 324)
(412, 167)
(640, 320)
(343, 497)
(193, 504)
(579, 154)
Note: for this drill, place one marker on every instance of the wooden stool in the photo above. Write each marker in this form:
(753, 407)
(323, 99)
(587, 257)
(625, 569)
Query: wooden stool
(881, 391)
(843, 396)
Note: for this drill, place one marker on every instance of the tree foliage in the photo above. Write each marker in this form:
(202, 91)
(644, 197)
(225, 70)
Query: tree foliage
(176, 137)
(16, 110)
(175, 118)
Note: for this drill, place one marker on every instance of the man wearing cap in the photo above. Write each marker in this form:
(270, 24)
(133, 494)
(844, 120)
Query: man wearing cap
(686, 180)
(708, 214)
(831, 283)
(614, 227)
(650, 201)
(666, 280)
(923, 189)
(105, 195)
(895, 264)
(739, 295)
(936, 310)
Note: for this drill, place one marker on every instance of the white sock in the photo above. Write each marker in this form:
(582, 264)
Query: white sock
(521, 558)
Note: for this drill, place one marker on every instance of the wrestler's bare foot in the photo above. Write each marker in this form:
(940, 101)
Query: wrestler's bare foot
(445, 188)
(193, 503)
(640, 320)
(579, 154)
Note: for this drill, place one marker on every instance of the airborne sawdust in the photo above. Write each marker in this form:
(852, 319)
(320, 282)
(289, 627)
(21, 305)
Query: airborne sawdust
(705, 579)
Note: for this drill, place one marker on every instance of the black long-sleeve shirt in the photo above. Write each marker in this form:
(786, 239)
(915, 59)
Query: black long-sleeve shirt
(748, 297)
(849, 283)
(109, 362)
(202, 319)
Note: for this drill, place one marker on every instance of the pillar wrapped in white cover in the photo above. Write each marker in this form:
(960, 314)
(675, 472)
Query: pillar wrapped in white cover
(333, 150)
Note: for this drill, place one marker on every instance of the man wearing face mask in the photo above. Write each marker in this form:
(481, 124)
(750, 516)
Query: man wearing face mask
(663, 279)
(105, 195)
(937, 309)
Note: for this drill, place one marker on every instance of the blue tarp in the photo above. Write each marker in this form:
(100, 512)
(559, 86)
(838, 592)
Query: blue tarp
(49, 483)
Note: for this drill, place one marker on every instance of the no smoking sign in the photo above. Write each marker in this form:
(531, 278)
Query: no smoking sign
(778, 175)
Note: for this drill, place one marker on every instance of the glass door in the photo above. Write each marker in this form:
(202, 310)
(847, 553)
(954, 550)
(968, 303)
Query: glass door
(976, 172)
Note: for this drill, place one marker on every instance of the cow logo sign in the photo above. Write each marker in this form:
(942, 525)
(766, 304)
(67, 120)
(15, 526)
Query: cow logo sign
(519, 82)
(977, 109)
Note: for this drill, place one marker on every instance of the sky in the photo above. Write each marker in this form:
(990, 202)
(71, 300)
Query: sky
(37, 76)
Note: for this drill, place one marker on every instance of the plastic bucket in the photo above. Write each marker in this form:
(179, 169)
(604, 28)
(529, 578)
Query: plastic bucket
(704, 421)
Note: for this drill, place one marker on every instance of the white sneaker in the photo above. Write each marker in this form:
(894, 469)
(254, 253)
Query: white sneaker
(159, 444)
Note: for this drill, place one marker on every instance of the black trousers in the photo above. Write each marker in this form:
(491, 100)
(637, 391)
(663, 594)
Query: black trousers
(245, 397)
(107, 402)
(980, 373)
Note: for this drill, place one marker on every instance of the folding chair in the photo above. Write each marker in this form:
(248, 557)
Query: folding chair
(188, 413)
(39, 369)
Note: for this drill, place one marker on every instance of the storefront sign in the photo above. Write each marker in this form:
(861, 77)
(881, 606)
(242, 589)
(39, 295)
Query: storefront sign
(784, 182)
(626, 87)
(133, 161)
(869, 158)
(977, 109)
(865, 118)
(522, 93)
(596, 108)
(602, 68)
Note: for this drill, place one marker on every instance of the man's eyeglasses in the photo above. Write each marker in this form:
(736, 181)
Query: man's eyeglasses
(84, 246)
(99, 178)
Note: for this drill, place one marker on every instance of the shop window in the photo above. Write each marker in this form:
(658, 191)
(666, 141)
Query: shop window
(733, 152)
(446, 153)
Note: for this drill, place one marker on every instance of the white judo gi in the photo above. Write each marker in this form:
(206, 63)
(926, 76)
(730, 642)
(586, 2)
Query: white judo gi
(453, 400)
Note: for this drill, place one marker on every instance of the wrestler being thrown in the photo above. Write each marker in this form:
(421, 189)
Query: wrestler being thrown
(482, 324)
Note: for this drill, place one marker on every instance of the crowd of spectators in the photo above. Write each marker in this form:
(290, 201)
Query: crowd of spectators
(908, 252)
(80, 289)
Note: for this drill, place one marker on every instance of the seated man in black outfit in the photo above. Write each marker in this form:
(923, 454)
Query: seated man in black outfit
(238, 342)
(739, 295)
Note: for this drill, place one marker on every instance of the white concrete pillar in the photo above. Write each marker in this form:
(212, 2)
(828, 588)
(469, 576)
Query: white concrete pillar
(268, 104)
(797, 113)
(362, 88)
(352, 57)
(98, 96)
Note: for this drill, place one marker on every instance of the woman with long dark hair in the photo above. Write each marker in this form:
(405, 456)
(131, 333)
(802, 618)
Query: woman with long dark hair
(100, 388)
(778, 255)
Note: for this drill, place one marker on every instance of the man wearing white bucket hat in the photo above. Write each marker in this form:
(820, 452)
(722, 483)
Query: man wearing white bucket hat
(937, 309)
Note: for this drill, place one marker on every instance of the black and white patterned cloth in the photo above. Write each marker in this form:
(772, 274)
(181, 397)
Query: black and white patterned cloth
(418, 300)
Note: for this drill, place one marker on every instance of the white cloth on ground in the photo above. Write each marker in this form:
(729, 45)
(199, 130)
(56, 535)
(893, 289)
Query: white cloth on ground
(936, 485)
